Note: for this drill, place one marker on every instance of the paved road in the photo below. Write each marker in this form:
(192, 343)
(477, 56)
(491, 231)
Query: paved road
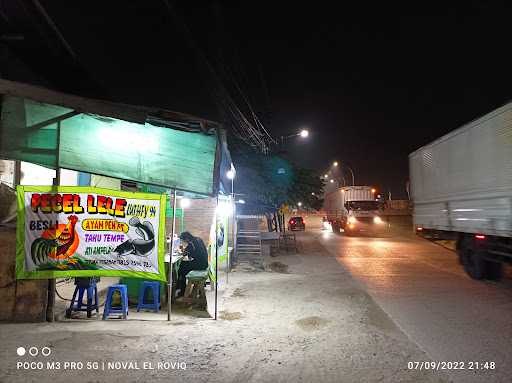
(424, 290)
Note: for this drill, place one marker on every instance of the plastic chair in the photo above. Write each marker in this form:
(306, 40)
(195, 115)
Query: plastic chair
(123, 310)
(154, 287)
(84, 285)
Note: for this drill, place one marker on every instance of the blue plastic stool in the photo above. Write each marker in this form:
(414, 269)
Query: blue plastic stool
(88, 286)
(123, 310)
(154, 287)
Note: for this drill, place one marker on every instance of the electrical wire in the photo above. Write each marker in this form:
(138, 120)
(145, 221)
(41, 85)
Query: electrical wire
(253, 133)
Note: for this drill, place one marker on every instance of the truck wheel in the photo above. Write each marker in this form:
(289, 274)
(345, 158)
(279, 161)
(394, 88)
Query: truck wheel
(494, 271)
(472, 259)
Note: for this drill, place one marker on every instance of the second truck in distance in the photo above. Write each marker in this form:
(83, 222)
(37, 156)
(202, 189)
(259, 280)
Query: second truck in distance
(353, 209)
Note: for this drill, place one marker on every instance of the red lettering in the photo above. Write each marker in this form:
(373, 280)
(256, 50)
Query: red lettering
(101, 204)
(67, 203)
(77, 207)
(90, 205)
(57, 203)
(35, 201)
(46, 203)
(120, 205)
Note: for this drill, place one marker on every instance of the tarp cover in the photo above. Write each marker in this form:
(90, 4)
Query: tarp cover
(107, 146)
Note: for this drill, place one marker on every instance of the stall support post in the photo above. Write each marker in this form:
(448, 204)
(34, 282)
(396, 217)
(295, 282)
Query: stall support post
(169, 277)
(216, 258)
(233, 210)
(50, 309)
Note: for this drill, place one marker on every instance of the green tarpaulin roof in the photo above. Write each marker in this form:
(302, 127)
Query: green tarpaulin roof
(147, 145)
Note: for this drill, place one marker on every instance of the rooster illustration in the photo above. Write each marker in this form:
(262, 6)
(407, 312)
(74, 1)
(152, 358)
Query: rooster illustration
(57, 243)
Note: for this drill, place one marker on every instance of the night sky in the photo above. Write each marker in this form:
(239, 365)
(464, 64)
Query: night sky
(372, 85)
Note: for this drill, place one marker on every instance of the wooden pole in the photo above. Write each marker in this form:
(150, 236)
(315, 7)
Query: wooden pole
(50, 309)
(169, 278)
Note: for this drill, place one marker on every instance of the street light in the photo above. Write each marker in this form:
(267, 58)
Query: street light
(230, 174)
(326, 176)
(336, 163)
(299, 204)
(303, 133)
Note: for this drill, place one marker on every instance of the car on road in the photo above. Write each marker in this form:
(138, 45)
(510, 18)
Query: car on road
(296, 223)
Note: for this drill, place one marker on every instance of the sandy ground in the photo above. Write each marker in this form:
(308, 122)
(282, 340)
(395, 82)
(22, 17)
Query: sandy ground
(304, 319)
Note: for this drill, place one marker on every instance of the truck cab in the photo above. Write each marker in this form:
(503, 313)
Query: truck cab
(363, 216)
(354, 209)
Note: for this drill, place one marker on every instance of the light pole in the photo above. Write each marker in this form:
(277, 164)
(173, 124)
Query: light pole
(336, 164)
(334, 178)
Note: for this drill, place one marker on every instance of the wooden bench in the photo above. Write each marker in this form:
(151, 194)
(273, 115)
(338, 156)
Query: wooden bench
(195, 290)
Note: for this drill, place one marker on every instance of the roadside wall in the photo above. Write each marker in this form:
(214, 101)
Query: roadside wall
(197, 219)
(23, 300)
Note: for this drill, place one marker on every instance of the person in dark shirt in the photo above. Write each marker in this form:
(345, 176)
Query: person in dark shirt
(196, 258)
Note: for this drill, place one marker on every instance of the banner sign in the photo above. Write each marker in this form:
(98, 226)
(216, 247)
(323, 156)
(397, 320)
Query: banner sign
(73, 231)
(219, 235)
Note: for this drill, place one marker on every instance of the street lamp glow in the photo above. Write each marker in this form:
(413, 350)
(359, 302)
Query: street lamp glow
(230, 174)
(332, 181)
(373, 190)
(326, 176)
(300, 204)
(304, 133)
(312, 193)
(335, 163)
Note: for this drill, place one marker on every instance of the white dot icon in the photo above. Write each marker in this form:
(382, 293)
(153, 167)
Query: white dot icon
(21, 351)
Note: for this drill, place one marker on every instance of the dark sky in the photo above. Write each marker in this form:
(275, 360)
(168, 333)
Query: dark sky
(372, 85)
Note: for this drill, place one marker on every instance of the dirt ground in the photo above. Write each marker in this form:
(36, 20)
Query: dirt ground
(303, 319)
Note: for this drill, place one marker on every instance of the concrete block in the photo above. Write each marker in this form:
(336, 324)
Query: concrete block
(7, 257)
(31, 301)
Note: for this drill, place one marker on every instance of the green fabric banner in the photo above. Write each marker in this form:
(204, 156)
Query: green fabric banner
(73, 231)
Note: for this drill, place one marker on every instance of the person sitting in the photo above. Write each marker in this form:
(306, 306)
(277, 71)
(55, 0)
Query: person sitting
(195, 258)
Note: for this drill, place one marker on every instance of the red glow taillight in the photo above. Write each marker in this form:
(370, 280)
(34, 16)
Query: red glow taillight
(480, 236)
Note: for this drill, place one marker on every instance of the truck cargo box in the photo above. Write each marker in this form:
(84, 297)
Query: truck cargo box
(334, 201)
(462, 182)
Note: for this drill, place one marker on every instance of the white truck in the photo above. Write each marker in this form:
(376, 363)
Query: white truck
(461, 188)
(353, 209)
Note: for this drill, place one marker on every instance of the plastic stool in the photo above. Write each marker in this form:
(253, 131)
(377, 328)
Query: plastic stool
(154, 287)
(123, 310)
(195, 291)
(83, 285)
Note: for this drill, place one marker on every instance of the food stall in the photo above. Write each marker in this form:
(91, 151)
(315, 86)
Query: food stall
(150, 146)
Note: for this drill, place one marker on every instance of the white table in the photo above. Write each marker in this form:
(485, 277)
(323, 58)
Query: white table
(175, 258)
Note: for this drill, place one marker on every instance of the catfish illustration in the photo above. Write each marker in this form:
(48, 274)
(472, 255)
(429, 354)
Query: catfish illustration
(141, 246)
